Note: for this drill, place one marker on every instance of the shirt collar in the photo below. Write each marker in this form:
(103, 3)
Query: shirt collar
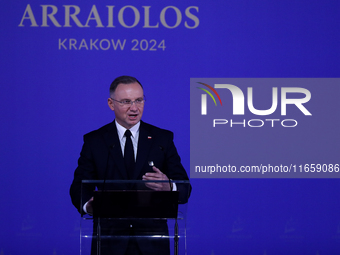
(121, 130)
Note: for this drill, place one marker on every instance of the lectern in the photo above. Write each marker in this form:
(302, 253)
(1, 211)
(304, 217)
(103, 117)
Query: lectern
(129, 214)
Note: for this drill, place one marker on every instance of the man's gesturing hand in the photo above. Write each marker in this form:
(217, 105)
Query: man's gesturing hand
(157, 175)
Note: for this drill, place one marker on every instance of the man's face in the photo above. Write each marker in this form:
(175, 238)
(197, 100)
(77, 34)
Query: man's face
(127, 115)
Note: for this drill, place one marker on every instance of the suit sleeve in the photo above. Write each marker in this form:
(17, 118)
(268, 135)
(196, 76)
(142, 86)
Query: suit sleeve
(175, 171)
(79, 193)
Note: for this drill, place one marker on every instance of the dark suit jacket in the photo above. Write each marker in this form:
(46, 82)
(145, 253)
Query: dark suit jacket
(101, 158)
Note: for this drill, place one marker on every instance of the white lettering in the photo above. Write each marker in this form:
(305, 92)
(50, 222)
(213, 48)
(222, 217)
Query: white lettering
(238, 97)
(110, 17)
(219, 121)
(282, 123)
(262, 123)
(50, 15)
(73, 15)
(28, 11)
(119, 43)
(298, 102)
(93, 44)
(192, 17)
(240, 123)
(101, 44)
(83, 44)
(61, 43)
(178, 15)
(203, 104)
(121, 16)
(255, 122)
(147, 18)
(95, 17)
(72, 43)
(272, 120)
(169, 17)
(262, 112)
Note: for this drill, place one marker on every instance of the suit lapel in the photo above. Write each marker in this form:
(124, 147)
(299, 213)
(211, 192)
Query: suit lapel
(115, 151)
(144, 145)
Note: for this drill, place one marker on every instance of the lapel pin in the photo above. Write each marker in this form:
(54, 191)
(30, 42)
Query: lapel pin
(149, 137)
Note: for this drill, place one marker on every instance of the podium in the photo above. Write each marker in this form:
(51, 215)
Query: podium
(129, 215)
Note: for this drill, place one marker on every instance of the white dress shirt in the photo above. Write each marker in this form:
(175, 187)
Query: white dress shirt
(134, 137)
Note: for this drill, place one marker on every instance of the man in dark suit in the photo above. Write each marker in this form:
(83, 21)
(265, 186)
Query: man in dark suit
(123, 150)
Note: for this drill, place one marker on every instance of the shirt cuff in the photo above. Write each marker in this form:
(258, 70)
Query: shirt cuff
(84, 207)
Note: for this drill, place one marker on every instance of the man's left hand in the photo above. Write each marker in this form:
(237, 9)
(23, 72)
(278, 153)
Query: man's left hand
(157, 175)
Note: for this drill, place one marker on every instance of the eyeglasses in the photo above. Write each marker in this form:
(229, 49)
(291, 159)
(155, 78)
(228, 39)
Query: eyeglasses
(129, 103)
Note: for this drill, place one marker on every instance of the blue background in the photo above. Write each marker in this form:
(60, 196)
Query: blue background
(51, 97)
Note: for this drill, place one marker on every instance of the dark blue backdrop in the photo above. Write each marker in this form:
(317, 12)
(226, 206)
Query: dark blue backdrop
(55, 87)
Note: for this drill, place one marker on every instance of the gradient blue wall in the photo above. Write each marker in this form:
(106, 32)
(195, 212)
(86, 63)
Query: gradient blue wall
(51, 96)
